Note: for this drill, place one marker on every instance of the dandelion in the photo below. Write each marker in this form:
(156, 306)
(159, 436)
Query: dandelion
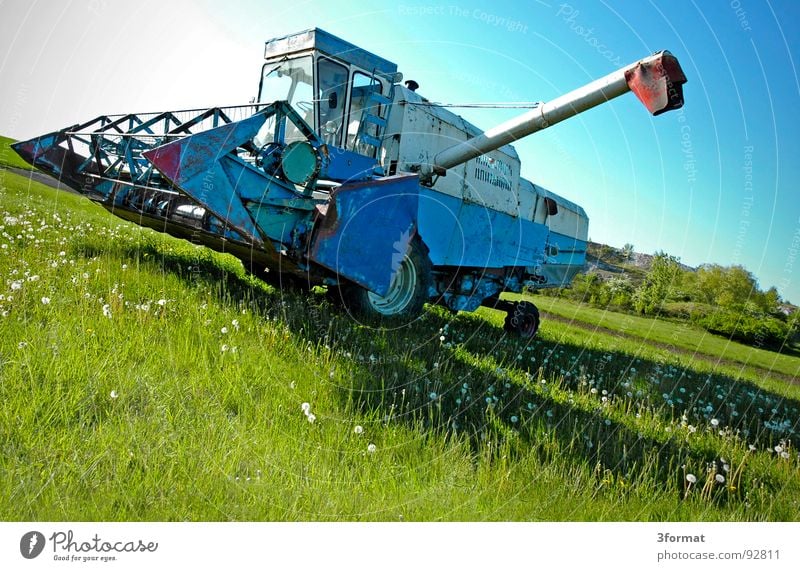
(235, 324)
(114, 394)
(306, 408)
(224, 330)
(45, 300)
(785, 455)
(311, 418)
(691, 478)
(714, 422)
(21, 345)
(720, 478)
(358, 429)
(751, 447)
(162, 302)
(432, 395)
(224, 348)
(441, 338)
(16, 285)
(124, 266)
(514, 419)
(778, 448)
(371, 448)
(107, 311)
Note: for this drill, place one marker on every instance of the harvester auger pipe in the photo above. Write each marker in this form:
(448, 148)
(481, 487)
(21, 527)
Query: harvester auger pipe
(656, 80)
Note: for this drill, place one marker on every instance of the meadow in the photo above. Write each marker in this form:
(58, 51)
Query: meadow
(144, 378)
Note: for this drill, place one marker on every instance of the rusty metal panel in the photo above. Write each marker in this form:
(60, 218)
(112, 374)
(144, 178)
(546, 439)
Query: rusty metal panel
(366, 230)
(658, 83)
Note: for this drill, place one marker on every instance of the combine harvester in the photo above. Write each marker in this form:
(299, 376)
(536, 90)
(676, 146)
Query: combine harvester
(338, 175)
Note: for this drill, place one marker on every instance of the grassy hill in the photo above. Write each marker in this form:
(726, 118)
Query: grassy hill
(143, 378)
(8, 157)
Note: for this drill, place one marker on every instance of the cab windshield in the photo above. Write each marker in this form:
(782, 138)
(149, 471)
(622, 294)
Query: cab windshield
(292, 81)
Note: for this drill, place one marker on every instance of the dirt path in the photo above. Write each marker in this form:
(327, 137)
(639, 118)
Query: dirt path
(668, 347)
(38, 176)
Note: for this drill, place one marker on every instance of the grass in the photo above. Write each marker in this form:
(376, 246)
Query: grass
(8, 157)
(673, 335)
(143, 378)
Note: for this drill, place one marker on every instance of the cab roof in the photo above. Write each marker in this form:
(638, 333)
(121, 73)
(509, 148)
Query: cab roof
(329, 44)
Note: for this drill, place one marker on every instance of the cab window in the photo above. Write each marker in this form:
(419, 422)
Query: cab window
(332, 93)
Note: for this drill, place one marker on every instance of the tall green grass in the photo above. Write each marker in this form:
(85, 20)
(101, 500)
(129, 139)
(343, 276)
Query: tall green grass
(144, 378)
(8, 157)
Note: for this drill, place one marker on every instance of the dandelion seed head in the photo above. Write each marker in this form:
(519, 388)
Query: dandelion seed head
(45, 300)
(371, 448)
(224, 330)
(358, 429)
(720, 478)
(691, 478)
(114, 394)
(311, 418)
(306, 408)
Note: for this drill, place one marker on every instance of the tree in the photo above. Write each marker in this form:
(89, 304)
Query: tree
(627, 251)
(655, 289)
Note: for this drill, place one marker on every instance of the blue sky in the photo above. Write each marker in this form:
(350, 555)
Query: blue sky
(716, 182)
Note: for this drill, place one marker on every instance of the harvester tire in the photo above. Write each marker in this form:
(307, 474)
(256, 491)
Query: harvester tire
(406, 296)
(523, 320)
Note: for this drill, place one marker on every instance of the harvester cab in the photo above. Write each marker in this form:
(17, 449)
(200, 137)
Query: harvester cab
(337, 175)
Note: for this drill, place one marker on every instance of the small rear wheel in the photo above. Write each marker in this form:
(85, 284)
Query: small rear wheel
(407, 293)
(523, 320)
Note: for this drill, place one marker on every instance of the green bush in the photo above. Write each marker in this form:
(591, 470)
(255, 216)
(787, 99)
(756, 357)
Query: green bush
(758, 330)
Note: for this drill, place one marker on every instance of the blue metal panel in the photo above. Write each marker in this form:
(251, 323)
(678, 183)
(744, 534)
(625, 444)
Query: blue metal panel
(195, 165)
(366, 230)
(567, 258)
(464, 234)
(344, 165)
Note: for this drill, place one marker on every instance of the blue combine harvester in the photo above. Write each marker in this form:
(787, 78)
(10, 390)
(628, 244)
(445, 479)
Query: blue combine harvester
(338, 175)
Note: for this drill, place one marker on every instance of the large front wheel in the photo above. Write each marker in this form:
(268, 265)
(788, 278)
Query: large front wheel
(407, 293)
